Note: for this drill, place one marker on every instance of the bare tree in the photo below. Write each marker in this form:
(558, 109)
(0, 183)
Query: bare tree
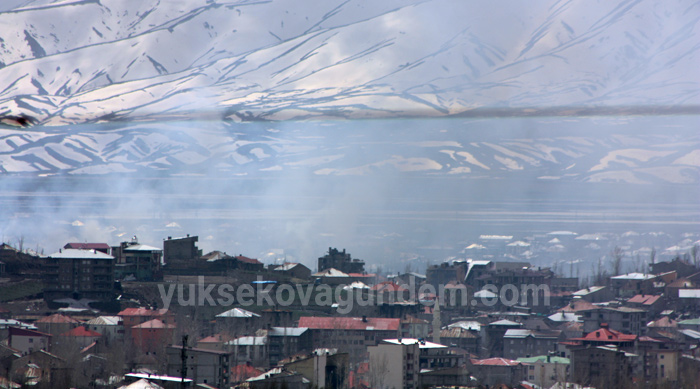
(617, 255)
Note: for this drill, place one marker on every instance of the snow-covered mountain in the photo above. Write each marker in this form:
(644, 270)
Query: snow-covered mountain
(148, 85)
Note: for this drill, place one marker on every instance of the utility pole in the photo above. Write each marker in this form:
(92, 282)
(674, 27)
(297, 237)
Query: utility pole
(183, 357)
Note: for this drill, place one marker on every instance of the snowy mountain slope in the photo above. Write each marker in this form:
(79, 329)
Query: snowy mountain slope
(159, 86)
(272, 60)
(215, 148)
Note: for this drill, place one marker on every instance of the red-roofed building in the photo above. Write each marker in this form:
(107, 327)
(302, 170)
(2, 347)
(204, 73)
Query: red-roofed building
(80, 336)
(26, 341)
(215, 342)
(350, 334)
(136, 316)
(496, 371)
(56, 324)
(652, 304)
(607, 335)
(103, 247)
(152, 336)
(389, 292)
(249, 264)
(242, 372)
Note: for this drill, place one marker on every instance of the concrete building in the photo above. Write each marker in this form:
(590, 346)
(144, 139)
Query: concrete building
(519, 343)
(56, 324)
(111, 328)
(325, 368)
(294, 270)
(203, 366)
(602, 366)
(495, 371)
(287, 341)
(178, 252)
(351, 334)
(248, 349)
(141, 261)
(624, 319)
(546, 370)
(398, 362)
(26, 341)
(340, 260)
(78, 274)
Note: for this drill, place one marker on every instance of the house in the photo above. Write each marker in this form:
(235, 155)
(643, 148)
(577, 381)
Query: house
(248, 349)
(495, 371)
(546, 370)
(204, 366)
(284, 342)
(140, 261)
(248, 264)
(152, 336)
(79, 336)
(389, 292)
(413, 327)
(111, 327)
(215, 342)
(6, 324)
(293, 270)
(625, 319)
(604, 336)
(332, 276)
(630, 284)
(41, 368)
(351, 334)
(237, 321)
(651, 304)
(519, 343)
(465, 339)
(56, 324)
(26, 341)
(594, 294)
(135, 316)
(241, 373)
(78, 274)
(602, 366)
(492, 342)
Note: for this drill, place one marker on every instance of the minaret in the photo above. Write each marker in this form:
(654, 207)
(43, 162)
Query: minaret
(437, 322)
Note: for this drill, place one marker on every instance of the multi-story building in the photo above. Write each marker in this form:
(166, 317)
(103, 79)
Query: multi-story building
(78, 274)
(181, 251)
(340, 260)
(519, 343)
(203, 366)
(350, 334)
(143, 262)
(287, 341)
(495, 371)
(398, 362)
(624, 319)
(546, 370)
